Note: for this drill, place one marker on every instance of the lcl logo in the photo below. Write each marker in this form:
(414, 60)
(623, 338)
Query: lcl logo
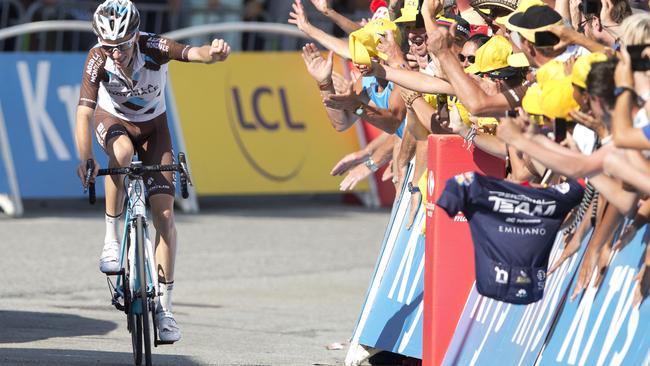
(270, 138)
(260, 120)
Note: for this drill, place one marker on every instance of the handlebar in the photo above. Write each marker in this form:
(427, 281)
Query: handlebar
(138, 170)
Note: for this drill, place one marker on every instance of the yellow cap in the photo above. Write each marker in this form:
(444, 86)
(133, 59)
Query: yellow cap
(486, 121)
(531, 101)
(518, 60)
(582, 66)
(521, 7)
(408, 12)
(493, 55)
(557, 98)
(552, 70)
(363, 42)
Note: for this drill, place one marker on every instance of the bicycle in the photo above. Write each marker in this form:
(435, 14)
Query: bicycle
(136, 285)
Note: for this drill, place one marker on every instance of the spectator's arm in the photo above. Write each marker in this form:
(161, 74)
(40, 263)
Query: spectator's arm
(346, 24)
(570, 163)
(475, 100)
(624, 201)
(636, 174)
(488, 143)
(299, 18)
(623, 132)
(413, 80)
(569, 36)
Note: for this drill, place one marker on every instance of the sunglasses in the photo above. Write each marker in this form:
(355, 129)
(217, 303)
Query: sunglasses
(471, 59)
(122, 47)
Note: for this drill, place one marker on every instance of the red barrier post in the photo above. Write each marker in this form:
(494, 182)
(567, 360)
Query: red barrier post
(449, 262)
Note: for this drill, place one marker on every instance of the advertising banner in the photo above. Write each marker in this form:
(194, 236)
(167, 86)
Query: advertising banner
(601, 327)
(515, 332)
(391, 317)
(256, 124)
(39, 97)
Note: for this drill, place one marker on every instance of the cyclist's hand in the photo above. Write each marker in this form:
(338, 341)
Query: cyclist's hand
(81, 172)
(219, 50)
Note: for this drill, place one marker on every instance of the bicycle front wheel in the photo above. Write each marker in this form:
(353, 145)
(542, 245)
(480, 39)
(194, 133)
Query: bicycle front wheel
(144, 298)
(135, 327)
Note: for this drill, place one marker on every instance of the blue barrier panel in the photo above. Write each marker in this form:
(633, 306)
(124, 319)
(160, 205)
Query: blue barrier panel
(601, 327)
(515, 334)
(39, 96)
(391, 317)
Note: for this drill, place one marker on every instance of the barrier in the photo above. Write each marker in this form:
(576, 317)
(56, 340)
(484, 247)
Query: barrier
(259, 119)
(391, 316)
(602, 327)
(39, 98)
(449, 264)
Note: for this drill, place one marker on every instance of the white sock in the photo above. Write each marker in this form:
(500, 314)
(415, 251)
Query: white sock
(165, 298)
(112, 228)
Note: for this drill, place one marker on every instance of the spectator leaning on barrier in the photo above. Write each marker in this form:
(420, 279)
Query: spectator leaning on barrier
(122, 96)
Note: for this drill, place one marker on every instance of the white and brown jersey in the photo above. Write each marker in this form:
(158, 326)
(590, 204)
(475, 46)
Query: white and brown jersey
(140, 98)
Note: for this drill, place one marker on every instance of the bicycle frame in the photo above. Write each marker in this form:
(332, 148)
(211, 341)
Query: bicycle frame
(135, 207)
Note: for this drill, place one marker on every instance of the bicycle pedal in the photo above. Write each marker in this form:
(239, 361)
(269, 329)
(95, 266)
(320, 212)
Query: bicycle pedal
(118, 273)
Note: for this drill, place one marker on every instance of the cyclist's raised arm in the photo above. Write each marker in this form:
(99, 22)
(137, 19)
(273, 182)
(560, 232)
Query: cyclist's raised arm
(162, 50)
(209, 54)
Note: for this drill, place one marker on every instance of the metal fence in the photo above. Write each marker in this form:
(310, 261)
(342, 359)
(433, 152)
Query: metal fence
(155, 18)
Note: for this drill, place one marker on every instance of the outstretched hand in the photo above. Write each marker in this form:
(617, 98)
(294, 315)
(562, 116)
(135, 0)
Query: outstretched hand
(359, 173)
(347, 101)
(439, 40)
(321, 5)
(298, 16)
(317, 66)
(389, 46)
(348, 162)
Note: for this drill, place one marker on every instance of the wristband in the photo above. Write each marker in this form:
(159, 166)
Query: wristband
(371, 164)
(411, 188)
(325, 86)
(621, 89)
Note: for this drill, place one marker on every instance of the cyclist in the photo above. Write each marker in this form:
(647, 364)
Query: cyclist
(122, 92)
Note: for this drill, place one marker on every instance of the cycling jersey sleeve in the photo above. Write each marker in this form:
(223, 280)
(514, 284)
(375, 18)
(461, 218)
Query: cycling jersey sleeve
(161, 50)
(456, 194)
(93, 73)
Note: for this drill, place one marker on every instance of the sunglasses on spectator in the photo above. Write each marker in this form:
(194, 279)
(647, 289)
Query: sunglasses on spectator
(122, 47)
(471, 59)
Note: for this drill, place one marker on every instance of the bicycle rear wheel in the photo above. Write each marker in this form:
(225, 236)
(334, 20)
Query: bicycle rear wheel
(146, 330)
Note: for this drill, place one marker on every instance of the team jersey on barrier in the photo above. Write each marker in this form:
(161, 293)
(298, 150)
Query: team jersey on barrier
(141, 98)
(513, 228)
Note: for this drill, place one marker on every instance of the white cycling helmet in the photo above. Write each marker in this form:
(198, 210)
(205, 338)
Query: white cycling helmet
(116, 21)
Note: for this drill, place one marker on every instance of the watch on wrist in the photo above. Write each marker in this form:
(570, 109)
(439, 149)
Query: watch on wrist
(371, 164)
(412, 188)
(359, 111)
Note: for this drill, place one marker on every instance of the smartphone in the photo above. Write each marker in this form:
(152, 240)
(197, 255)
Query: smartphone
(590, 7)
(546, 39)
(639, 62)
(559, 129)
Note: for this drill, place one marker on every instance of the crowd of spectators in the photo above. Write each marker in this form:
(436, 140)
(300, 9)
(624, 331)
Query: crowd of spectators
(560, 90)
